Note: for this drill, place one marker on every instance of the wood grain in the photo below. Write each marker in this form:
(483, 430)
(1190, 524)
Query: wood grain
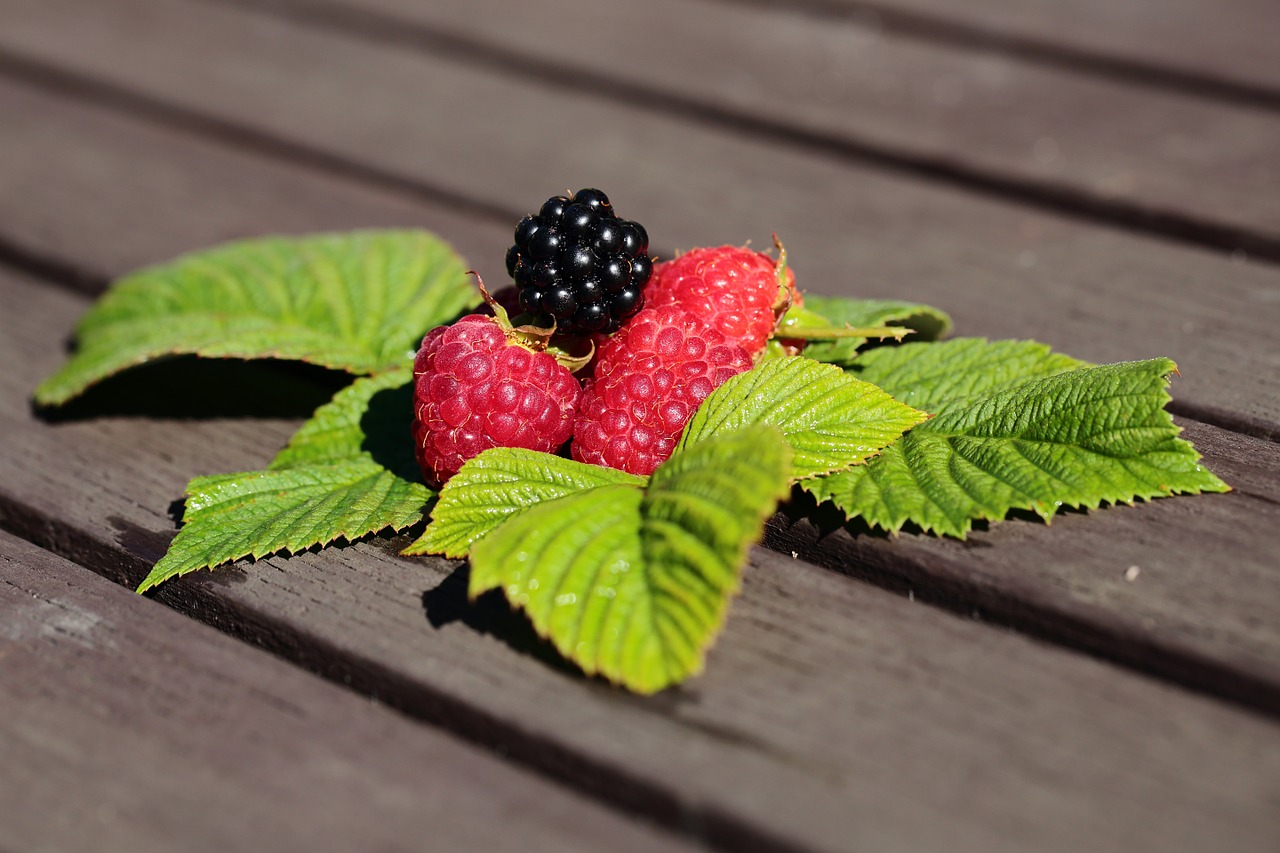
(1194, 617)
(1157, 160)
(1195, 612)
(832, 715)
(1219, 49)
(130, 727)
(444, 128)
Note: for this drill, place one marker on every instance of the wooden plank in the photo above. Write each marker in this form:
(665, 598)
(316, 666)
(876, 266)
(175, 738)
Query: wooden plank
(886, 635)
(130, 727)
(1158, 160)
(1219, 49)
(89, 191)
(1189, 614)
(1179, 621)
(444, 128)
(832, 716)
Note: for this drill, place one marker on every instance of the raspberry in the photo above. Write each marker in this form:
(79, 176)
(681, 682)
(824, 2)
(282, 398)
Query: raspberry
(649, 379)
(475, 388)
(732, 288)
(577, 263)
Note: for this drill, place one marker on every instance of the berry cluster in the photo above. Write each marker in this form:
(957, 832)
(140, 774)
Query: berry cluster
(484, 382)
(577, 264)
(711, 312)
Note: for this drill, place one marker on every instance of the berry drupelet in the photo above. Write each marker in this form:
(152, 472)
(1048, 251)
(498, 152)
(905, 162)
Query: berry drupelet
(739, 292)
(577, 264)
(649, 380)
(477, 386)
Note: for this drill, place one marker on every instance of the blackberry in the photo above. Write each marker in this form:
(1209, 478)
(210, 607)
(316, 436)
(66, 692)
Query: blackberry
(577, 264)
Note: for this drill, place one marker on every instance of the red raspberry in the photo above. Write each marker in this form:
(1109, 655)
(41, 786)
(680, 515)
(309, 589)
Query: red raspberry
(732, 288)
(474, 389)
(649, 379)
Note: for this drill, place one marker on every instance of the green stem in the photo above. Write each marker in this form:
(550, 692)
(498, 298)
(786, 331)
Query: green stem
(803, 333)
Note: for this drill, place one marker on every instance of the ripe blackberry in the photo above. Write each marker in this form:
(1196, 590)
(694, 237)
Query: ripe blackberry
(577, 264)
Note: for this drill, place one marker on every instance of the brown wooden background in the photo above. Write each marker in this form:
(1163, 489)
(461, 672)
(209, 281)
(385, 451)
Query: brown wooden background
(1102, 175)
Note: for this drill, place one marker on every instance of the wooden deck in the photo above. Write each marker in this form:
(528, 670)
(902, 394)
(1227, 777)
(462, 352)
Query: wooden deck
(1102, 175)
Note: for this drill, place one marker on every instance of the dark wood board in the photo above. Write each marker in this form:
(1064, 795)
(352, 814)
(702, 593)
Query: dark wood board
(1190, 617)
(1155, 159)
(96, 194)
(906, 728)
(1218, 49)
(833, 715)
(1067, 581)
(127, 726)
(445, 129)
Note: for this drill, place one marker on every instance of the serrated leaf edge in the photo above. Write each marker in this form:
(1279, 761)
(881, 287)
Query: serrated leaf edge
(461, 483)
(772, 370)
(157, 575)
(1046, 513)
(476, 589)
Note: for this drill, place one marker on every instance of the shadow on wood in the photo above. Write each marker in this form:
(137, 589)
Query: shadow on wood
(490, 615)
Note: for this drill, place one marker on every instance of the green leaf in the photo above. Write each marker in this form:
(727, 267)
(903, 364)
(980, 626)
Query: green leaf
(633, 583)
(1072, 439)
(830, 419)
(358, 302)
(499, 484)
(348, 472)
(257, 513)
(927, 323)
(931, 376)
(369, 419)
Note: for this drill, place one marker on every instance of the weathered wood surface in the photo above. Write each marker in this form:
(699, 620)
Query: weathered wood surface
(1160, 160)
(823, 702)
(58, 150)
(1195, 616)
(127, 726)
(441, 128)
(1220, 49)
(93, 194)
(833, 715)
(1203, 609)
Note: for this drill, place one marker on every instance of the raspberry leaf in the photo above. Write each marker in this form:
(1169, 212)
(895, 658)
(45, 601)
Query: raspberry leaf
(499, 484)
(926, 323)
(358, 302)
(348, 472)
(367, 420)
(930, 376)
(258, 513)
(1077, 439)
(831, 419)
(633, 582)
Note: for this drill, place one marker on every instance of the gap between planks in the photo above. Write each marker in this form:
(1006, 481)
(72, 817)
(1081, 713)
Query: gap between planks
(856, 729)
(233, 185)
(230, 184)
(944, 573)
(106, 95)
(1006, 588)
(276, 636)
(236, 192)
(70, 84)
(130, 727)
(974, 33)
(1140, 216)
